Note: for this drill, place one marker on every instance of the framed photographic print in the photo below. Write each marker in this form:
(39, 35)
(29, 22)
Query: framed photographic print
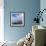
(17, 18)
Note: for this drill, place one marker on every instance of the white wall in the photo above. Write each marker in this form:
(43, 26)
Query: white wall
(1, 21)
(43, 6)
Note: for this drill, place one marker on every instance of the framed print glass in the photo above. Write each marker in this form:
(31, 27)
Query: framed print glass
(17, 18)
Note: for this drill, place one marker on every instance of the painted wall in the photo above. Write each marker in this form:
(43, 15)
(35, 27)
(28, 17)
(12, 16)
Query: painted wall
(1, 21)
(43, 6)
(30, 7)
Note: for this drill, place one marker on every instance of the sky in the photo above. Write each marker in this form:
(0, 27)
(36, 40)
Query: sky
(16, 18)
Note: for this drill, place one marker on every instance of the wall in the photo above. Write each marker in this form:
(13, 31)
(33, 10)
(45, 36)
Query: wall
(30, 7)
(43, 6)
(1, 21)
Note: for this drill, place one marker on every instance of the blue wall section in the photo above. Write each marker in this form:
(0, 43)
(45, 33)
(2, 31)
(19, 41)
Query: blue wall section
(27, 6)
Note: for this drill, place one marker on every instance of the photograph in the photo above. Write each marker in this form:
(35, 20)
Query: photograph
(17, 18)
